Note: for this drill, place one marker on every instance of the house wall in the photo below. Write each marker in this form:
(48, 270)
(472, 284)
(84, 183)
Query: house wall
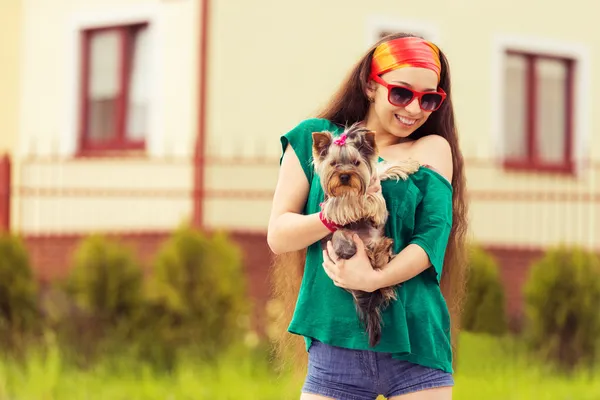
(50, 116)
(10, 38)
(263, 77)
(281, 70)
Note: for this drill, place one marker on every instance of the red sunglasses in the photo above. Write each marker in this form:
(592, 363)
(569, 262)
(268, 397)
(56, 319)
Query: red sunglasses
(403, 96)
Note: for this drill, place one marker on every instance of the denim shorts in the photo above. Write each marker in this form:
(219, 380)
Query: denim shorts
(345, 374)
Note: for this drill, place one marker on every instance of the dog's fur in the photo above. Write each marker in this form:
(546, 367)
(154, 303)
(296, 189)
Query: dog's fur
(346, 171)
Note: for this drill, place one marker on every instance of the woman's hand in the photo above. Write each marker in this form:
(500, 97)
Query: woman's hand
(355, 273)
(375, 185)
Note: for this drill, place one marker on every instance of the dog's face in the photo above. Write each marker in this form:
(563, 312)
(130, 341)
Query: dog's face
(345, 164)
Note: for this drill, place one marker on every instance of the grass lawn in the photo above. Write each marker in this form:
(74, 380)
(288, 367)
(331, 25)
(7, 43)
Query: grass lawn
(498, 369)
(488, 369)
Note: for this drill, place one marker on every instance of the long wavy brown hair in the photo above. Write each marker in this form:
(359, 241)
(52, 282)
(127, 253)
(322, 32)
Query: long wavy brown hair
(349, 105)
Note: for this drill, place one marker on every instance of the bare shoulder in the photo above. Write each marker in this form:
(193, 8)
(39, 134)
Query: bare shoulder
(435, 151)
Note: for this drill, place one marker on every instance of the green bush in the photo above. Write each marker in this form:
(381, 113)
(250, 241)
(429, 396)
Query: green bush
(562, 302)
(106, 287)
(484, 310)
(19, 312)
(196, 296)
(106, 281)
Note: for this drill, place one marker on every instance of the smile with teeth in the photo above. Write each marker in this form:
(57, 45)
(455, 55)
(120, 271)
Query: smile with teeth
(405, 121)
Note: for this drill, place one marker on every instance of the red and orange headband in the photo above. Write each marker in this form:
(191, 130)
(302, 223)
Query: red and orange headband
(406, 52)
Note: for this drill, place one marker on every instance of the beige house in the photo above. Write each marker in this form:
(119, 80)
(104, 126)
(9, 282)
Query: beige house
(137, 114)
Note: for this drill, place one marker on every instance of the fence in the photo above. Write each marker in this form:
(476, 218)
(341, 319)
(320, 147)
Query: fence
(55, 195)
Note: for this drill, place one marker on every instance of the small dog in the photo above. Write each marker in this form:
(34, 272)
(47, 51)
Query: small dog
(347, 166)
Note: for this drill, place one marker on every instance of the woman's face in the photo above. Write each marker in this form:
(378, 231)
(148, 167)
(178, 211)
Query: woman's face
(400, 121)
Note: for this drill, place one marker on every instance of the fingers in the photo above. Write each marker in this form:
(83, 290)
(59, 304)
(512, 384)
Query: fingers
(330, 268)
(331, 252)
(360, 246)
(374, 188)
(330, 273)
(332, 265)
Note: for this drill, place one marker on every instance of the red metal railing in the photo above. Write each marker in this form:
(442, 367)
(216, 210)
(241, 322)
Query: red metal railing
(5, 192)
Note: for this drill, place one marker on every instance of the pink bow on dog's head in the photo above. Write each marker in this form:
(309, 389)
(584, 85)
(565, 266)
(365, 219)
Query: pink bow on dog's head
(341, 140)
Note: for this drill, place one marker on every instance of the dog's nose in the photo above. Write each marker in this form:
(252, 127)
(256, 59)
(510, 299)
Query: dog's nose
(344, 178)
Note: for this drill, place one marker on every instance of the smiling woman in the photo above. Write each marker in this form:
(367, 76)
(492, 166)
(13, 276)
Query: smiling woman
(400, 90)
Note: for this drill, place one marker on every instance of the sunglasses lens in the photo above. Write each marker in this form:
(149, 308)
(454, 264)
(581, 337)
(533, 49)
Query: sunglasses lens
(430, 101)
(400, 96)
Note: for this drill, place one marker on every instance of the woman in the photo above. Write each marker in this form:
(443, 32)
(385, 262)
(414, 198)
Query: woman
(401, 90)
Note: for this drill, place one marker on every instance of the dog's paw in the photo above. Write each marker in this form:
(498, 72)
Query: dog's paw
(376, 209)
(344, 210)
(329, 211)
(379, 218)
(343, 245)
(399, 170)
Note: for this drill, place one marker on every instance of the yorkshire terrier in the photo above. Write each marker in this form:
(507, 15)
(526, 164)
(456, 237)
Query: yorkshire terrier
(347, 167)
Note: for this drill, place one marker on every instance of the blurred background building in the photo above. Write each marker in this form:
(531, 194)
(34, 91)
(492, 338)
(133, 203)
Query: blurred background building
(129, 117)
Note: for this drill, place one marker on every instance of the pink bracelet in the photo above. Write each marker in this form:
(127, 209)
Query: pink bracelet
(332, 226)
(328, 224)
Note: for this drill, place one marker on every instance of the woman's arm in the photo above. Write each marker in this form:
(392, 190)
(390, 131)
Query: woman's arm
(290, 230)
(433, 151)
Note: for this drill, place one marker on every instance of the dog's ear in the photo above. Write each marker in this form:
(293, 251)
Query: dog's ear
(321, 143)
(369, 147)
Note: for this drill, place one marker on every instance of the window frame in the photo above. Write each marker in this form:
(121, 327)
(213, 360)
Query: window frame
(532, 162)
(120, 143)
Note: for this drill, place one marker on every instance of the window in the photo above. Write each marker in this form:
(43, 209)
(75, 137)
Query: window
(538, 112)
(114, 98)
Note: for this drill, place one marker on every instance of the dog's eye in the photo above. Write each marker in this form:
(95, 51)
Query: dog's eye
(357, 163)
(333, 163)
